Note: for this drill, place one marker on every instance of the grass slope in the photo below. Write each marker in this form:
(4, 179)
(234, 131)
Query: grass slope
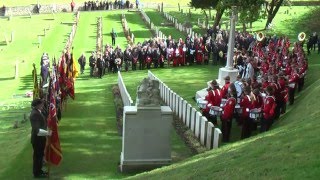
(157, 19)
(288, 151)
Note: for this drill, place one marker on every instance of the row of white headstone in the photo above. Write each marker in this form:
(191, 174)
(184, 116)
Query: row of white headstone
(209, 136)
(126, 98)
(99, 43)
(73, 31)
(203, 23)
(126, 27)
(180, 26)
(159, 34)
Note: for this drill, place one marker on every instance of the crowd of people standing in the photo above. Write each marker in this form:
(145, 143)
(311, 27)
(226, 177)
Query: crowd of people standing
(108, 5)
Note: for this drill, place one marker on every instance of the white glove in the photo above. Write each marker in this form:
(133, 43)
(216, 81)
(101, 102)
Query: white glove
(43, 132)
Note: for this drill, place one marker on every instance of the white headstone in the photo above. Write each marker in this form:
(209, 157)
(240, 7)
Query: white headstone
(210, 133)
(177, 105)
(217, 137)
(184, 110)
(180, 107)
(174, 102)
(198, 126)
(203, 131)
(167, 95)
(171, 99)
(193, 119)
(198, 116)
(188, 115)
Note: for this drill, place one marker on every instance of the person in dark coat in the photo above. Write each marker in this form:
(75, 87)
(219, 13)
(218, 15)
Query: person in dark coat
(82, 62)
(100, 65)
(38, 136)
(92, 63)
(113, 37)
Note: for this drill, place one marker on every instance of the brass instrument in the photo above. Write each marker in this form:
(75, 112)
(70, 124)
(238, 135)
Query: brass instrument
(302, 36)
(260, 36)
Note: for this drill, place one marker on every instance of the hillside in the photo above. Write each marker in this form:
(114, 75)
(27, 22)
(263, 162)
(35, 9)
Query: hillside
(289, 151)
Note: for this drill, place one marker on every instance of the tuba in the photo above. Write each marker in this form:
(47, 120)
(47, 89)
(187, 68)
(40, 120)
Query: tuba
(260, 36)
(302, 36)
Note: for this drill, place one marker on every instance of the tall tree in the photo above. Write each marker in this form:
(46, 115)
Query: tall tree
(250, 12)
(272, 9)
(207, 5)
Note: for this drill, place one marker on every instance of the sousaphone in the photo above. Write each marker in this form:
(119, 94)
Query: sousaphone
(260, 36)
(301, 36)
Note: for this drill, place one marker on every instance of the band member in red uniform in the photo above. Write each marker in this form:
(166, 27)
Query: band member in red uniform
(176, 57)
(268, 110)
(293, 79)
(227, 114)
(302, 72)
(246, 105)
(224, 90)
(282, 88)
(199, 53)
(183, 51)
(214, 99)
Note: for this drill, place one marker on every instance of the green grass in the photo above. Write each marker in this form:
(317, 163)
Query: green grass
(138, 27)
(13, 90)
(157, 19)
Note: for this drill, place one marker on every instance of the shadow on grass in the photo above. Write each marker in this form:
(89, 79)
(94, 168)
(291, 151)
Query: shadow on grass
(26, 82)
(6, 78)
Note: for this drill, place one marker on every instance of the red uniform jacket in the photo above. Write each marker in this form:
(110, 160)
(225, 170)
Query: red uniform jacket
(246, 105)
(224, 90)
(269, 106)
(276, 89)
(258, 103)
(228, 109)
(294, 78)
(213, 98)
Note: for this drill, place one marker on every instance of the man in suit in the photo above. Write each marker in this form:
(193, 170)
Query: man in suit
(38, 137)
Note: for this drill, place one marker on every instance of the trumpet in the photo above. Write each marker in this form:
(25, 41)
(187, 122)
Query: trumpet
(301, 36)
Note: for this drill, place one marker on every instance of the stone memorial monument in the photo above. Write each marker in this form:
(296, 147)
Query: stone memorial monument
(146, 130)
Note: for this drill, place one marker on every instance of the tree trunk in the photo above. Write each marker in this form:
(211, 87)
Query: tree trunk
(273, 11)
(207, 18)
(244, 28)
(218, 18)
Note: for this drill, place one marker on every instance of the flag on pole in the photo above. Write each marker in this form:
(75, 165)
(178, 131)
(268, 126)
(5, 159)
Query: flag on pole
(35, 83)
(53, 148)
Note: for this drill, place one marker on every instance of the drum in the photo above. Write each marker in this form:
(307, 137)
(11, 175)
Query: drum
(202, 104)
(238, 109)
(215, 110)
(291, 85)
(255, 113)
(223, 102)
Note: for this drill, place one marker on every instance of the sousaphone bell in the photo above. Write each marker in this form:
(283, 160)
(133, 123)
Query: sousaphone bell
(301, 36)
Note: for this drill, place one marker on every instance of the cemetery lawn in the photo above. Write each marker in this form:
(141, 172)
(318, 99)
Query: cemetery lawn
(89, 139)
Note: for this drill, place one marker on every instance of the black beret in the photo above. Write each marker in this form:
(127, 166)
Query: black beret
(36, 102)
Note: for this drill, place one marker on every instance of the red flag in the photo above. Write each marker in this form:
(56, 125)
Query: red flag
(53, 148)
